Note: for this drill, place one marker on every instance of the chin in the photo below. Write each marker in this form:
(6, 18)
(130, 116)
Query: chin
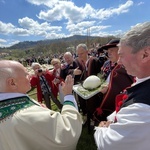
(129, 73)
(28, 90)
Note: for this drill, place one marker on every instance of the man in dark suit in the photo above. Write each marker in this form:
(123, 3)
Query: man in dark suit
(70, 66)
(90, 66)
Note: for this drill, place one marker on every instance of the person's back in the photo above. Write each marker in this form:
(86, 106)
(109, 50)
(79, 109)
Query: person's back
(24, 124)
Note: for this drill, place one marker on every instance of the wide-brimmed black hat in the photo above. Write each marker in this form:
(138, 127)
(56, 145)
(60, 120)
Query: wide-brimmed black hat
(110, 44)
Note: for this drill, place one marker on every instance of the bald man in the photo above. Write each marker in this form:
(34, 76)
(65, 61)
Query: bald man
(25, 124)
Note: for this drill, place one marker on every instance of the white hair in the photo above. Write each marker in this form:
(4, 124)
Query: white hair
(68, 53)
(35, 64)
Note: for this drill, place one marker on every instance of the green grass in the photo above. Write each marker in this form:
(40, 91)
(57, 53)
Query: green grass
(86, 140)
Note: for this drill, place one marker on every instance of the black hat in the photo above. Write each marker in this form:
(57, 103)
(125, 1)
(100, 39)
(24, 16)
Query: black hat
(112, 43)
(100, 50)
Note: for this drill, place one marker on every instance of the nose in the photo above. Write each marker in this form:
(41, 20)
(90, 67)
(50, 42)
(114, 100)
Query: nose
(119, 61)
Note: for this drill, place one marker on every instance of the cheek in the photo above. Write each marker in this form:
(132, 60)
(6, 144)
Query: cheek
(26, 81)
(129, 62)
(125, 59)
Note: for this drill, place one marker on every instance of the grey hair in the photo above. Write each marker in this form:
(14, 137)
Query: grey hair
(35, 64)
(138, 37)
(68, 53)
(83, 46)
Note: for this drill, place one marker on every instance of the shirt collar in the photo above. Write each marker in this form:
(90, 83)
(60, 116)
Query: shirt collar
(4, 96)
(141, 80)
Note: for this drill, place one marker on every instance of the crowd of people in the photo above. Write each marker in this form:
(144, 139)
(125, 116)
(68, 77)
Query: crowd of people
(120, 110)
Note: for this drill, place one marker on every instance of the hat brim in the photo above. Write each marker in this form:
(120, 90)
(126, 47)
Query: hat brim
(100, 50)
(106, 47)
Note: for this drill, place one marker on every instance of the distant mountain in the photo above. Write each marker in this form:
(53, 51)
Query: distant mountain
(32, 44)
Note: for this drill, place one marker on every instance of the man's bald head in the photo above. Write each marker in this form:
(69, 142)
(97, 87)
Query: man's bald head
(11, 73)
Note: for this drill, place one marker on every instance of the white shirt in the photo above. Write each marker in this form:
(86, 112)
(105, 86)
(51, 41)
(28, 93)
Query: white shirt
(130, 132)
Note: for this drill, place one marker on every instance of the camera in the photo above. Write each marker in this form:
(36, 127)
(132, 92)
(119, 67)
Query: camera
(39, 70)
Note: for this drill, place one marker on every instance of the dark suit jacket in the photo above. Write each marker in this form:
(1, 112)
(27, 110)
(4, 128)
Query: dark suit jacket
(69, 69)
(94, 67)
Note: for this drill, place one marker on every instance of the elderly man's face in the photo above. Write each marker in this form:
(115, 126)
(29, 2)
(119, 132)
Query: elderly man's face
(129, 60)
(113, 54)
(82, 53)
(68, 59)
(22, 80)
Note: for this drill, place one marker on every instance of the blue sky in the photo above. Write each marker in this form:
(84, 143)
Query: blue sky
(33, 20)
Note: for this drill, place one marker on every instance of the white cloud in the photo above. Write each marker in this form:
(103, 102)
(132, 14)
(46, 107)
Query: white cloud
(3, 41)
(8, 43)
(28, 27)
(49, 3)
(21, 32)
(30, 24)
(63, 10)
(6, 28)
(68, 11)
(76, 20)
(78, 28)
(38, 29)
(103, 14)
(140, 3)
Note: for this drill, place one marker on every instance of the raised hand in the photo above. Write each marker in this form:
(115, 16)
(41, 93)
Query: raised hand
(68, 85)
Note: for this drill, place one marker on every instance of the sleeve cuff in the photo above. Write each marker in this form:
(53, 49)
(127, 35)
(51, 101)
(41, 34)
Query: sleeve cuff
(70, 100)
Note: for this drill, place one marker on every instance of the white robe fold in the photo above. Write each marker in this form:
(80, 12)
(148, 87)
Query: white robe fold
(38, 128)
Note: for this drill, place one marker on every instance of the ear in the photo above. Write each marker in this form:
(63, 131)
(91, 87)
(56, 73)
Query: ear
(146, 54)
(11, 83)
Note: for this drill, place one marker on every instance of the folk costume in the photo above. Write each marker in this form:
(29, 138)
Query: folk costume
(131, 129)
(119, 80)
(25, 125)
(106, 70)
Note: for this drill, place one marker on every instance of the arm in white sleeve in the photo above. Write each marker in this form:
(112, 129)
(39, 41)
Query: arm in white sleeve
(131, 131)
(70, 100)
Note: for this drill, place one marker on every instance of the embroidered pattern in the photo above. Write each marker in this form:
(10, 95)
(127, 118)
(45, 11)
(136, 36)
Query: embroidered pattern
(10, 106)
